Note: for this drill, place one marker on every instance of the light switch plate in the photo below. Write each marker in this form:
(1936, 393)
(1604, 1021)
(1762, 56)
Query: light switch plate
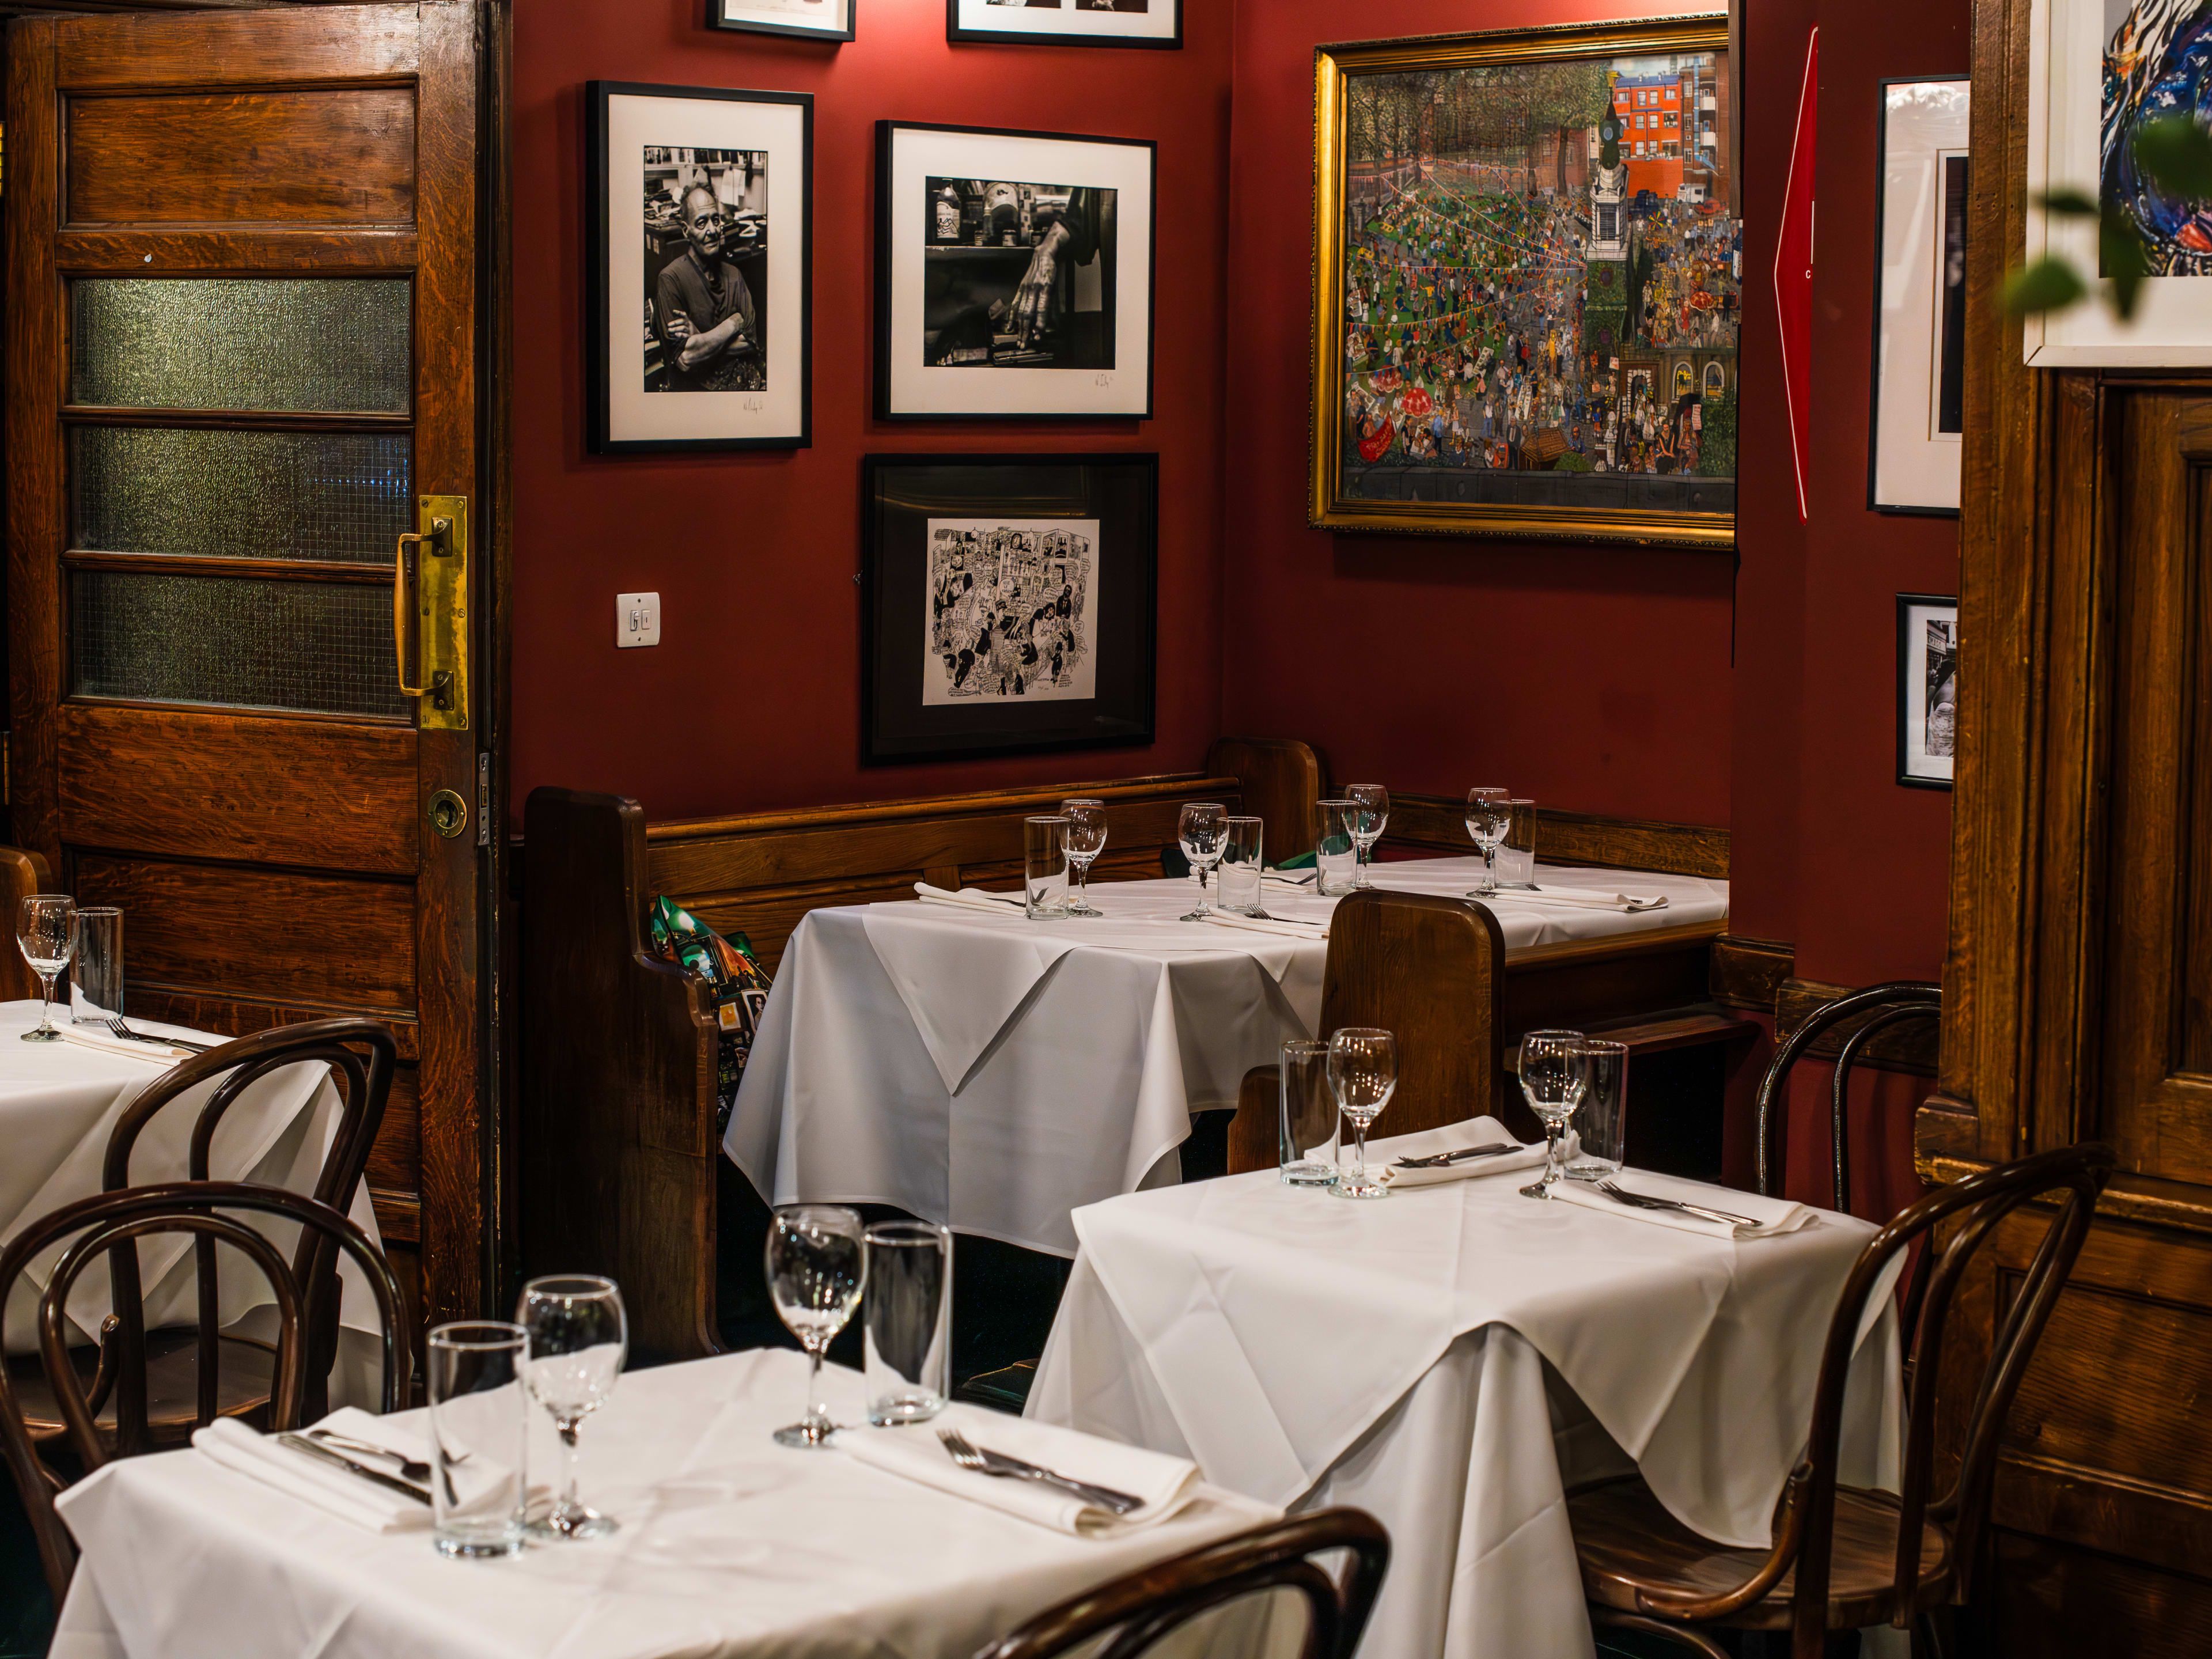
(637, 619)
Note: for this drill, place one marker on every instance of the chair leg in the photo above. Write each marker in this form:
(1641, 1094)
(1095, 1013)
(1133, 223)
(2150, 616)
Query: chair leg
(1682, 1635)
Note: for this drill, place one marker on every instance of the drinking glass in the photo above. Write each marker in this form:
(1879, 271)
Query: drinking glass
(1044, 858)
(1553, 1072)
(46, 931)
(479, 1437)
(1489, 816)
(578, 1338)
(1308, 1113)
(96, 984)
(817, 1263)
(1516, 853)
(1201, 829)
(1086, 839)
(1241, 868)
(1362, 1070)
(1372, 801)
(1601, 1124)
(907, 1327)
(1336, 855)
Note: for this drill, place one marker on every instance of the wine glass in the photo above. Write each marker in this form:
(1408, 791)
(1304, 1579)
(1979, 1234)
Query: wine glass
(1201, 830)
(1362, 1070)
(1372, 801)
(1489, 819)
(46, 931)
(1554, 1072)
(578, 1338)
(1085, 838)
(817, 1262)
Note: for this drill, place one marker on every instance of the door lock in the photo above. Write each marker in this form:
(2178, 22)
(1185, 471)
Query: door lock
(449, 814)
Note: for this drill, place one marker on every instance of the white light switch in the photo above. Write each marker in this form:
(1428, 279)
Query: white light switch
(637, 619)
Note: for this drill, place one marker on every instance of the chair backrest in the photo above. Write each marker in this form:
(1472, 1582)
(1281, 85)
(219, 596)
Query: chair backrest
(21, 874)
(233, 1068)
(1429, 969)
(108, 1222)
(1967, 1214)
(1144, 1607)
(1900, 1002)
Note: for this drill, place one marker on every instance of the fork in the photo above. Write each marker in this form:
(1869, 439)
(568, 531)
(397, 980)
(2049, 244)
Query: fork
(413, 1467)
(979, 1461)
(1437, 1160)
(115, 1024)
(1653, 1201)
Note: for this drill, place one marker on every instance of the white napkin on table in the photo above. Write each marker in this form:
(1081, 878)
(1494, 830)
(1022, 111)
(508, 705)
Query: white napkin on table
(1772, 1215)
(1383, 1156)
(914, 1453)
(1281, 926)
(91, 1036)
(1584, 898)
(972, 898)
(324, 1486)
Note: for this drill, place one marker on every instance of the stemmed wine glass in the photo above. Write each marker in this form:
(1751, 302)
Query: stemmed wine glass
(46, 931)
(578, 1338)
(1489, 819)
(1554, 1072)
(1085, 838)
(1363, 1071)
(1372, 801)
(1201, 829)
(817, 1262)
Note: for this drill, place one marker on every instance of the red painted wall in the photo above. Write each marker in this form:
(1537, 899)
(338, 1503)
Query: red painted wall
(752, 698)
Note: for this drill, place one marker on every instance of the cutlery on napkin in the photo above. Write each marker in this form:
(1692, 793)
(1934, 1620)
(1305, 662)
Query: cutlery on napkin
(971, 898)
(1384, 1157)
(1767, 1216)
(1584, 898)
(1164, 1484)
(157, 1050)
(1283, 927)
(325, 1486)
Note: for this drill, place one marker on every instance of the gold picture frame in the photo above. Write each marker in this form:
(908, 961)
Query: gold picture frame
(1604, 466)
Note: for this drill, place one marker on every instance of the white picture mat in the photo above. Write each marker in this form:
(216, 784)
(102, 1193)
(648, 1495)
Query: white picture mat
(1083, 684)
(916, 388)
(1915, 465)
(779, 409)
(1919, 763)
(830, 16)
(1158, 24)
(2172, 324)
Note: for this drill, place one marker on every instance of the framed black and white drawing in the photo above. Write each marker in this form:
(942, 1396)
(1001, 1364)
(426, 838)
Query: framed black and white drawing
(1066, 22)
(699, 280)
(1927, 688)
(1920, 321)
(1008, 604)
(807, 20)
(1013, 274)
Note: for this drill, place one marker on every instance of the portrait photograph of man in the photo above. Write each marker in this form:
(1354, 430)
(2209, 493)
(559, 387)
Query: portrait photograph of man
(706, 251)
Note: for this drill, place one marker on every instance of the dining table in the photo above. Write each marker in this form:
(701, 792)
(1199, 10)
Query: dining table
(980, 1068)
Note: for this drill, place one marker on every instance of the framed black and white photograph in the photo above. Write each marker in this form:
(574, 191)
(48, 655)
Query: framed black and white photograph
(1008, 604)
(806, 20)
(1927, 688)
(699, 268)
(1066, 22)
(1013, 275)
(1920, 317)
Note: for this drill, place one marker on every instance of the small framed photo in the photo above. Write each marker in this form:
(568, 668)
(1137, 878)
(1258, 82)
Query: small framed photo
(1920, 323)
(1927, 688)
(1008, 604)
(700, 279)
(1013, 275)
(1066, 22)
(808, 20)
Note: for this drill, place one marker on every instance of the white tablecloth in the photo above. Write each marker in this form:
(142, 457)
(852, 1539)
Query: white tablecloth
(994, 1073)
(1447, 1358)
(729, 1546)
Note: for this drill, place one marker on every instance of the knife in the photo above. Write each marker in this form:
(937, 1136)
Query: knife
(1653, 1201)
(300, 1442)
(1437, 1160)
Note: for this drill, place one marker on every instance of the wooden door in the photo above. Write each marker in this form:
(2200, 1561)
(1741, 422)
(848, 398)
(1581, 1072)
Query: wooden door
(241, 353)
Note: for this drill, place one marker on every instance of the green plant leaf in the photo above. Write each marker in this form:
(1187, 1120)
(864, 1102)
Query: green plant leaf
(2125, 261)
(2068, 203)
(2175, 154)
(2049, 285)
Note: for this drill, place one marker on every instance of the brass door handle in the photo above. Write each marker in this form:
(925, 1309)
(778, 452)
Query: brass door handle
(403, 581)
(434, 593)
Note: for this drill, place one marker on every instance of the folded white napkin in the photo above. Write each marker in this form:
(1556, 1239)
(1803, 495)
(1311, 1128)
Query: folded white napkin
(1166, 1483)
(1282, 926)
(1383, 1156)
(1585, 898)
(91, 1036)
(1772, 1215)
(973, 898)
(324, 1486)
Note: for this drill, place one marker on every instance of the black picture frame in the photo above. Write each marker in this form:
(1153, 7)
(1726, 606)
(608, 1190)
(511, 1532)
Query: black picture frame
(955, 31)
(716, 20)
(900, 494)
(887, 406)
(600, 440)
(1912, 676)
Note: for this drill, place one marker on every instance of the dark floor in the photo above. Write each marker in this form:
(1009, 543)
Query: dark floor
(26, 1612)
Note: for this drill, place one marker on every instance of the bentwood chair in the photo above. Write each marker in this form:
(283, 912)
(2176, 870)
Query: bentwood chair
(193, 1375)
(1901, 1002)
(1135, 1614)
(1842, 1557)
(115, 1221)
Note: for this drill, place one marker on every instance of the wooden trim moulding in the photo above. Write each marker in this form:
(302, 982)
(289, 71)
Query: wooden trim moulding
(1438, 824)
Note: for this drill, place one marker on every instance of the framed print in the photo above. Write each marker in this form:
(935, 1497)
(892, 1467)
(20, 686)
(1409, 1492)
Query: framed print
(1528, 284)
(809, 20)
(1920, 320)
(700, 260)
(1013, 275)
(1927, 688)
(1008, 602)
(1066, 22)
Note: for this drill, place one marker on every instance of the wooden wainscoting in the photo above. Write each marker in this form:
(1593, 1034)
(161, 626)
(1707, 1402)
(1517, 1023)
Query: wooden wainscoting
(1437, 824)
